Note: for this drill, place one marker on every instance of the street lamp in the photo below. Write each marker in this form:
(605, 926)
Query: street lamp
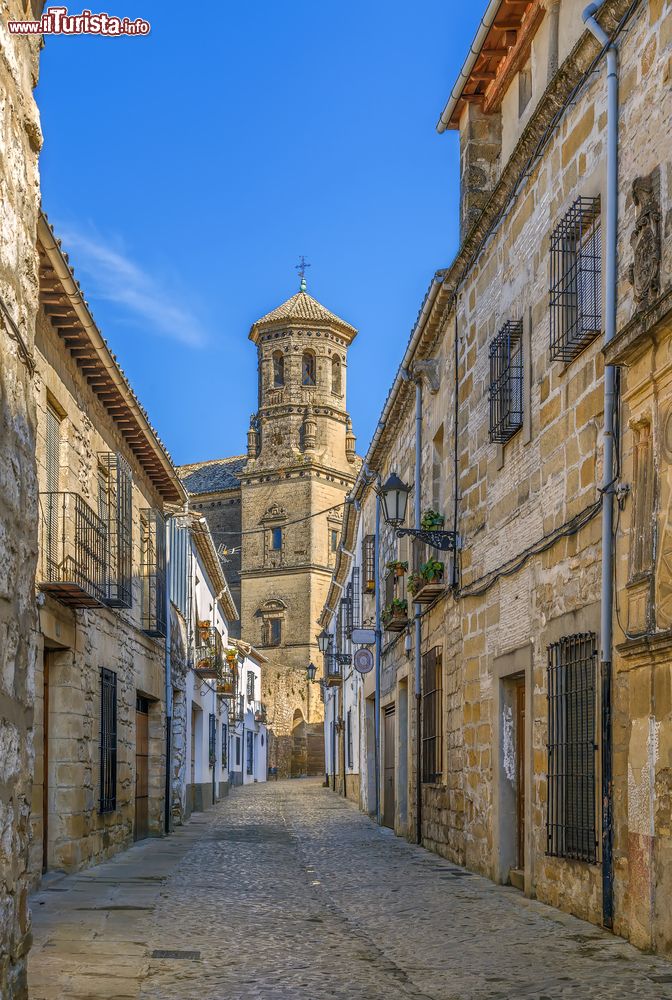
(311, 670)
(324, 641)
(394, 494)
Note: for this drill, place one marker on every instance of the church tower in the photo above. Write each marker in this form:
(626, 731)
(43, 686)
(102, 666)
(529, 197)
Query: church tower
(301, 463)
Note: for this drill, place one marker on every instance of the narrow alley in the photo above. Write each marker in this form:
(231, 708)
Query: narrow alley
(324, 904)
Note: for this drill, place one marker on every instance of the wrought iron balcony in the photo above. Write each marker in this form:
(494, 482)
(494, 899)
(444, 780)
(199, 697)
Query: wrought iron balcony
(73, 556)
(228, 679)
(333, 670)
(259, 712)
(209, 661)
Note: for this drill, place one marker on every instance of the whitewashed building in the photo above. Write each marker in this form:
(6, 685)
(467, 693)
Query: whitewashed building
(248, 746)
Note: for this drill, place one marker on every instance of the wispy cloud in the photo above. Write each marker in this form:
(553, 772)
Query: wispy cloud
(113, 276)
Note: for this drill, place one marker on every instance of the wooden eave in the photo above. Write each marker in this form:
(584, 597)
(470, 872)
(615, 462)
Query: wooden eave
(504, 51)
(102, 374)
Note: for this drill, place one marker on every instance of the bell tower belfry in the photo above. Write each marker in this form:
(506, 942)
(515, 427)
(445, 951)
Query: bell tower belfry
(301, 463)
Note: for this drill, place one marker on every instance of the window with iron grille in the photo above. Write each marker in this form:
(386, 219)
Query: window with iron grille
(119, 530)
(237, 751)
(571, 824)
(225, 746)
(153, 571)
(576, 280)
(348, 734)
(212, 740)
(369, 564)
(108, 740)
(506, 382)
(250, 685)
(342, 624)
(432, 715)
(355, 600)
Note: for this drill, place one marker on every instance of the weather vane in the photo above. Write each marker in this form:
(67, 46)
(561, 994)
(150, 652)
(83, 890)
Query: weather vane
(301, 268)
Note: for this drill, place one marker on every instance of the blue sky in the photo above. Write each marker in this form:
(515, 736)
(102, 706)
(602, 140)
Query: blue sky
(186, 171)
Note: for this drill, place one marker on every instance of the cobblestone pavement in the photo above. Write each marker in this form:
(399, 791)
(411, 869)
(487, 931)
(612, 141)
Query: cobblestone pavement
(284, 890)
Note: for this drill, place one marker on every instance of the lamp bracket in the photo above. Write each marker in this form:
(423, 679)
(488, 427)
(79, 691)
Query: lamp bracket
(443, 540)
(345, 659)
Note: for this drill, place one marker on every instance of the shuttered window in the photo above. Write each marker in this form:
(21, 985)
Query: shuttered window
(432, 715)
(108, 740)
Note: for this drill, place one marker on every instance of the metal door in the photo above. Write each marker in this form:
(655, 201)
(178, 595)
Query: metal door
(141, 768)
(388, 764)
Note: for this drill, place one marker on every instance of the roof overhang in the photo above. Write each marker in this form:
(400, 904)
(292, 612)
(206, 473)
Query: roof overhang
(500, 47)
(63, 304)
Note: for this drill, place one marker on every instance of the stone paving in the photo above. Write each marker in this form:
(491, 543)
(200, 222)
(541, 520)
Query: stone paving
(285, 890)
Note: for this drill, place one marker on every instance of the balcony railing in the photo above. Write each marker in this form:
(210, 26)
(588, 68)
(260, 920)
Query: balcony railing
(209, 661)
(259, 711)
(73, 563)
(228, 678)
(332, 669)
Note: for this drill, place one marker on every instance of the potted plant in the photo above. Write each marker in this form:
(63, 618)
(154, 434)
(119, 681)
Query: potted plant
(397, 611)
(397, 566)
(413, 583)
(431, 520)
(431, 571)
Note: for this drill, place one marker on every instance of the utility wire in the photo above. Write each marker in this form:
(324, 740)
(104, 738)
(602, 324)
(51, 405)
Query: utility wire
(285, 524)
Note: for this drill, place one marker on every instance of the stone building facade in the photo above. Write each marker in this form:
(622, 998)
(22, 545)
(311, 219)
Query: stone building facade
(106, 485)
(514, 718)
(20, 140)
(280, 509)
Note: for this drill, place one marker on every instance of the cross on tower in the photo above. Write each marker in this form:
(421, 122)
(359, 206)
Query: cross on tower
(301, 268)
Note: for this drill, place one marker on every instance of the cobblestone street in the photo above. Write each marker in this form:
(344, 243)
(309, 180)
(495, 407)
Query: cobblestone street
(323, 902)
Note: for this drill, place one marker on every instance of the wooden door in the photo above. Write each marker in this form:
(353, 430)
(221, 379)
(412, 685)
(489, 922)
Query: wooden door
(520, 773)
(141, 768)
(45, 763)
(388, 768)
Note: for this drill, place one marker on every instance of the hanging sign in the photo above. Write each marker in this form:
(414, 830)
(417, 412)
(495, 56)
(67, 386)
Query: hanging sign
(363, 661)
(363, 636)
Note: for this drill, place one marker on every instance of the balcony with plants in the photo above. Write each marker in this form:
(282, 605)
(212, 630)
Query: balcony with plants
(208, 658)
(427, 583)
(395, 615)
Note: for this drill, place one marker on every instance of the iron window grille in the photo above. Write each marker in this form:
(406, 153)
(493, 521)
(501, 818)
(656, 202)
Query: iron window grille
(432, 715)
(153, 571)
(354, 595)
(74, 551)
(119, 530)
(250, 752)
(108, 741)
(506, 382)
(343, 622)
(332, 666)
(212, 739)
(576, 280)
(225, 746)
(250, 685)
(369, 563)
(571, 825)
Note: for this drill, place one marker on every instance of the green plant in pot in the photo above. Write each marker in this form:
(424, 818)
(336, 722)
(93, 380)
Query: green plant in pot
(397, 566)
(414, 583)
(431, 571)
(431, 520)
(398, 608)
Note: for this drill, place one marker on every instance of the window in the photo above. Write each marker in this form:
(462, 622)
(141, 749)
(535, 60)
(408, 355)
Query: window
(237, 751)
(432, 715)
(333, 540)
(506, 382)
(644, 494)
(119, 530)
(250, 685)
(212, 740)
(336, 376)
(250, 752)
(308, 368)
(437, 470)
(108, 740)
(348, 736)
(53, 435)
(278, 370)
(272, 632)
(276, 539)
(225, 747)
(571, 819)
(354, 601)
(369, 563)
(153, 571)
(524, 88)
(576, 280)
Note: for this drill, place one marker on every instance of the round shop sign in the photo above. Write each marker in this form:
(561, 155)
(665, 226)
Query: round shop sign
(363, 661)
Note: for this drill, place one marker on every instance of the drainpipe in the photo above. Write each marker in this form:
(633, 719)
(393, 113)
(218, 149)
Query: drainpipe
(376, 703)
(606, 601)
(418, 622)
(169, 687)
(454, 574)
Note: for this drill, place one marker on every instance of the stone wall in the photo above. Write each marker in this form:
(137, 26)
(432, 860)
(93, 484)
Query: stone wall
(20, 140)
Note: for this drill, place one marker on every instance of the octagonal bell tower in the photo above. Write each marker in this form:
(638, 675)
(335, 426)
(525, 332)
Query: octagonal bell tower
(301, 463)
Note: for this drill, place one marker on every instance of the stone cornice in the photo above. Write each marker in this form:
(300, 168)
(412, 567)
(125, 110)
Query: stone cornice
(653, 646)
(640, 332)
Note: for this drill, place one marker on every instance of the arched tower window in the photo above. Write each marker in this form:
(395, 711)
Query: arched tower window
(308, 368)
(336, 376)
(278, 370)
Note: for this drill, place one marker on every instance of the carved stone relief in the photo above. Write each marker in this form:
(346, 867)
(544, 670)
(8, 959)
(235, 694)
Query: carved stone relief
(644, 272)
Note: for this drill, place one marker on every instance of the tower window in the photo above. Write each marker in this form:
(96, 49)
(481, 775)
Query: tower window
(276, 538)
(271, 633)
(278, 370)
(308, 369)
(336, 376)
(334, 539)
